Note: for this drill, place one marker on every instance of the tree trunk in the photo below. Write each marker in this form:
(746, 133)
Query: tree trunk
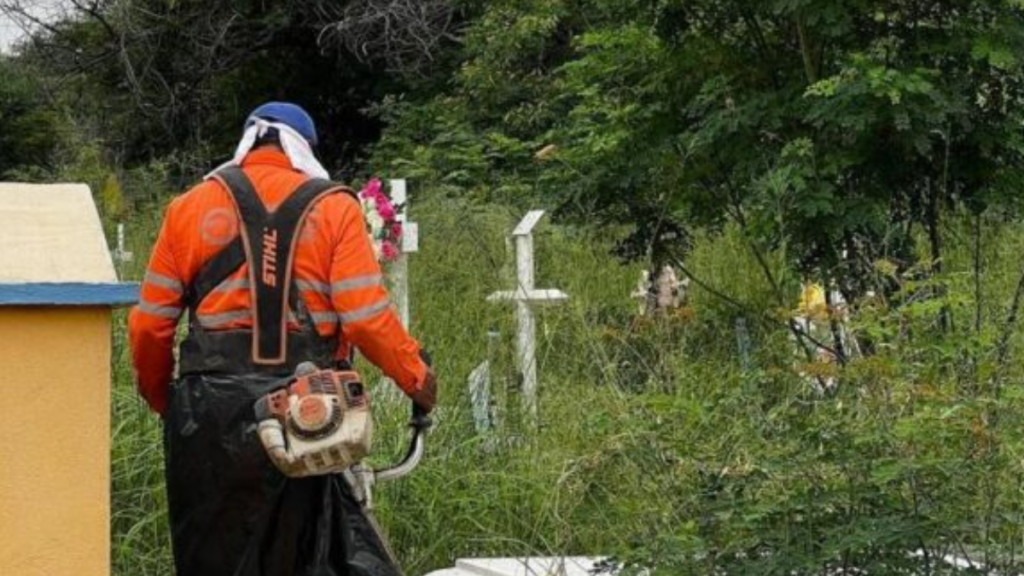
(932, 223)
(806, 51)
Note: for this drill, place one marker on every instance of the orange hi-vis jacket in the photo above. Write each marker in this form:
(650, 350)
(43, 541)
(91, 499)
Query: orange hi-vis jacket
(334, 267)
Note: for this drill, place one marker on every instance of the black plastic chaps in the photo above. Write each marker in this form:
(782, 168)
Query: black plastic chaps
(233, 514)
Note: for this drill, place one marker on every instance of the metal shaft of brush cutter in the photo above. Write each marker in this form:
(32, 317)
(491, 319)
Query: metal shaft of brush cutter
(362, 479)
(419, 423)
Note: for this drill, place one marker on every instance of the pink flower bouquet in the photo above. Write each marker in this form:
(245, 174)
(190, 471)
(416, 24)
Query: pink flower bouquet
(382, 223)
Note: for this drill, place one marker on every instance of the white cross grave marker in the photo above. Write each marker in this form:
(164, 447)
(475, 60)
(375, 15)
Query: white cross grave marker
(399, 273)
(121, 255)
(525, 297)
(410, 244)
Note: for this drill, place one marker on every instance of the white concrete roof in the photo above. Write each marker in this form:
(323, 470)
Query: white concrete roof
(51, 233)
(567, 566)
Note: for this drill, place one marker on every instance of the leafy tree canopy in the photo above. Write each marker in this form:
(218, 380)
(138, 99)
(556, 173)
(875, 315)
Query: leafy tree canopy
(154, 78)
(29, 128)
(823, 127)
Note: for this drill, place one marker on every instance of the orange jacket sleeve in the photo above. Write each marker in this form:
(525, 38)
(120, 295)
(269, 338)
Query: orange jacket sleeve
(152, 324)
(368, 320)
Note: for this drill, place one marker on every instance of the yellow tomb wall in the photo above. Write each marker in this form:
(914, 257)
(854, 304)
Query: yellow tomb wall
(54, 441)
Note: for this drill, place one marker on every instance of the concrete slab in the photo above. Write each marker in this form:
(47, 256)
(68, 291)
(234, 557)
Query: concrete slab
(552, 566)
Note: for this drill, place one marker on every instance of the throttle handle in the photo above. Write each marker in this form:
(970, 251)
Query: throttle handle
(420, 420)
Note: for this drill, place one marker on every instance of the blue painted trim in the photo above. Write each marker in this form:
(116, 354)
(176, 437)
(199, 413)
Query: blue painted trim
(69, 294)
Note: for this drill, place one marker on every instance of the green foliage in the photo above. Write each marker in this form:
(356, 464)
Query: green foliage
(30, 129)
(824, 127)
(151, 79)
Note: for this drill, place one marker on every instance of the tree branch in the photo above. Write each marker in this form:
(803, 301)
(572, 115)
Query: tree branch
(806, 51)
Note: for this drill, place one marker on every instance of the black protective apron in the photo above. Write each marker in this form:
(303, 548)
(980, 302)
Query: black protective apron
(232, 513)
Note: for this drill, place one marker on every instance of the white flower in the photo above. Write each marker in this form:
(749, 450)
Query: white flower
(376, 224)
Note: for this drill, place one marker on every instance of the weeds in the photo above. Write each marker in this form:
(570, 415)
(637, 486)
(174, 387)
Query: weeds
(656, 445)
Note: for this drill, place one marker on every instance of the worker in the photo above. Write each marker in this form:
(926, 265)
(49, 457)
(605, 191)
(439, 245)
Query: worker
(274, 267)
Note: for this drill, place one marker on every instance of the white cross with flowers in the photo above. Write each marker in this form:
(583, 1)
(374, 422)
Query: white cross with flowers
(525, 297)
(385, 216)
(410, 242)
(382, 213)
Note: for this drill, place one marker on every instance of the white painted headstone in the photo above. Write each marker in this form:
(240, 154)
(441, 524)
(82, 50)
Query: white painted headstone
(643, 293)
(743, 344)
(671, 292)
(814, 324)
(480, 388)
(525, 296)
(480, 396)
(661, 293)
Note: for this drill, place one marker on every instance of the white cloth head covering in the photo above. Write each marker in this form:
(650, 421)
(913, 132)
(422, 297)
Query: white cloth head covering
(295, 147)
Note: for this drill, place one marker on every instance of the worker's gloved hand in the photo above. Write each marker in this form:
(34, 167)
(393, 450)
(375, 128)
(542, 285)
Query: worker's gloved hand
(426, 396)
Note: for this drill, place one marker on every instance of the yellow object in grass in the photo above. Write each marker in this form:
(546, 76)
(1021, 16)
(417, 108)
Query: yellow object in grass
(812, 302)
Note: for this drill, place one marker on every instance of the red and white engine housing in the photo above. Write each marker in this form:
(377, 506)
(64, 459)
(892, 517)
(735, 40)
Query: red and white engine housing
(319, 424)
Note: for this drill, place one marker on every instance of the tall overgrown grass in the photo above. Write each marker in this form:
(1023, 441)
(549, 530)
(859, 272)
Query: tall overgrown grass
(654, 443)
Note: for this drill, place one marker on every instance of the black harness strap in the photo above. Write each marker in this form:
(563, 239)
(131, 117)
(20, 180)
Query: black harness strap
(231, 258)
(243, 192)
(267, 241)
(216, 270)
(271, 270)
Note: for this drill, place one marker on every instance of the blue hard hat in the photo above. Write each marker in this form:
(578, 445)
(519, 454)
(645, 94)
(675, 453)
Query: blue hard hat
(291, 115)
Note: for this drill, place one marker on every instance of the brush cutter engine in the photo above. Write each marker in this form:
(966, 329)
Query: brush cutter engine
(320, 423)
